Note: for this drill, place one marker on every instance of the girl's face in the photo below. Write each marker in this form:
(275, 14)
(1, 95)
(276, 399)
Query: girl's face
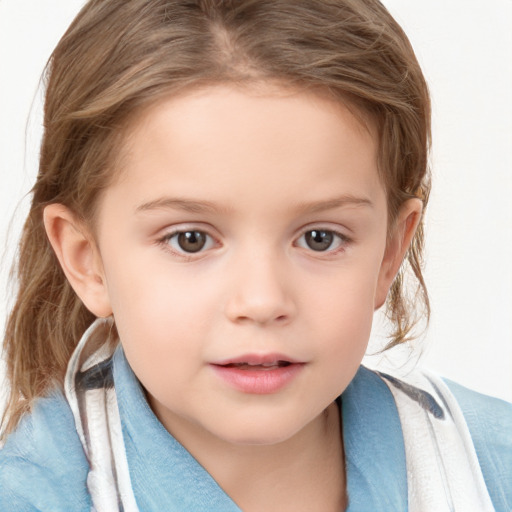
(243, 253)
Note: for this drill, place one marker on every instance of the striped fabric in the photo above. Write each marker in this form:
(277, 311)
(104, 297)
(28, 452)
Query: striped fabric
(89, 388)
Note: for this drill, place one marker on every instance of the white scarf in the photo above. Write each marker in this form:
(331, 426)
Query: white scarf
(443, 473)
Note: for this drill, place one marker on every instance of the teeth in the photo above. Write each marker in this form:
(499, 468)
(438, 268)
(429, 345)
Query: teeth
(265, 365)
(270, 365)
(273, 364)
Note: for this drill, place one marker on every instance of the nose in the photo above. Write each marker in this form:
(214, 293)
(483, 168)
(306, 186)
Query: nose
(260, 291)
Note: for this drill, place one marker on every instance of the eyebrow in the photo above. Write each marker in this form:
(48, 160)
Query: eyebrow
(195, 206)
(171, 203)
(331, 204)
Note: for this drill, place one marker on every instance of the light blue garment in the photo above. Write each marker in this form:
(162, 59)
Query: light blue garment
(43, 467)
(374, 448)
(490, 424)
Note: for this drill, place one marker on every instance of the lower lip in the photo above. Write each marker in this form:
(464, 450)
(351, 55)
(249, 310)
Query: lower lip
(259, 382)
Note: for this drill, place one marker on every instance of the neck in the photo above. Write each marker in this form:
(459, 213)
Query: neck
(305, 472)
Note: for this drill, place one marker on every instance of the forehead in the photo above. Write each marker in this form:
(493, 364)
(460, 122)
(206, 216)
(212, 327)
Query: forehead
(227, 142)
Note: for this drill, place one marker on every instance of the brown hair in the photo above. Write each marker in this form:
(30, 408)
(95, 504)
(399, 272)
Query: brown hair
(118, 56)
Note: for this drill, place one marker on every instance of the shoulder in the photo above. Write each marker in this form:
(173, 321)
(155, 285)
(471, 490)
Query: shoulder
(42, 465)
(490, 424)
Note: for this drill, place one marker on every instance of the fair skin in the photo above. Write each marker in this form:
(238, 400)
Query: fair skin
(287, 258)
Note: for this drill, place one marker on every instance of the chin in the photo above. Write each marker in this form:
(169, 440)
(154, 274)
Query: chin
(257, 440)
(259, 433)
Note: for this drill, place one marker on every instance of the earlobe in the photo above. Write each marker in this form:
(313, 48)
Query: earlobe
(399, 241)
(78, 256)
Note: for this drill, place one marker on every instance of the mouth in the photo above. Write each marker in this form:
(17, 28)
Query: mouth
(258, 374)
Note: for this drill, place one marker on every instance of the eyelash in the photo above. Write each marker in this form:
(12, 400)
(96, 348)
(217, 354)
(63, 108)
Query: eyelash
(165, 240)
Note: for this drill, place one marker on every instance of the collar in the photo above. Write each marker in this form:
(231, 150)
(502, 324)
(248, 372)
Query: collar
(374, 447)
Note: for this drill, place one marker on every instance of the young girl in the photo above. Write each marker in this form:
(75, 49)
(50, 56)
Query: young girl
(227, 192)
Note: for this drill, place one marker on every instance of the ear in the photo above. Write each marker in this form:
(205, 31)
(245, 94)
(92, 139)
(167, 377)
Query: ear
(401, 236)
(79, 257)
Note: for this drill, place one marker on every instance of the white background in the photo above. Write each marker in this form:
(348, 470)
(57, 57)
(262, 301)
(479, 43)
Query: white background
(465, 48)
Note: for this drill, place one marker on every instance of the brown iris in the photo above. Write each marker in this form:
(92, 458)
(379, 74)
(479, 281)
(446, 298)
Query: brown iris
(319, 240)
(191, 241)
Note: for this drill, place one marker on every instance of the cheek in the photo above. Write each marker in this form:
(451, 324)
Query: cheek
(343, 293)
(342, 310)
(161, 311)
(347, 319)
(150, 287)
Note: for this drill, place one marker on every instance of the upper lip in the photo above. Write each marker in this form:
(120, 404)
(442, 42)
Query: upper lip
(257, 359)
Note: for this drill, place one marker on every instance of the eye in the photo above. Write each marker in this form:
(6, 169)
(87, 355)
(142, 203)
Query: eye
(189, 242)
(321, 240)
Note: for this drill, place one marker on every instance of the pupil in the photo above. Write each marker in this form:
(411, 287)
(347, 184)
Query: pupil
(191, 241)
(319, 240)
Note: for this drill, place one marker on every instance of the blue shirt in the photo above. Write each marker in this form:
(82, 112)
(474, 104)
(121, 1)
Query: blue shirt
(43, 466)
